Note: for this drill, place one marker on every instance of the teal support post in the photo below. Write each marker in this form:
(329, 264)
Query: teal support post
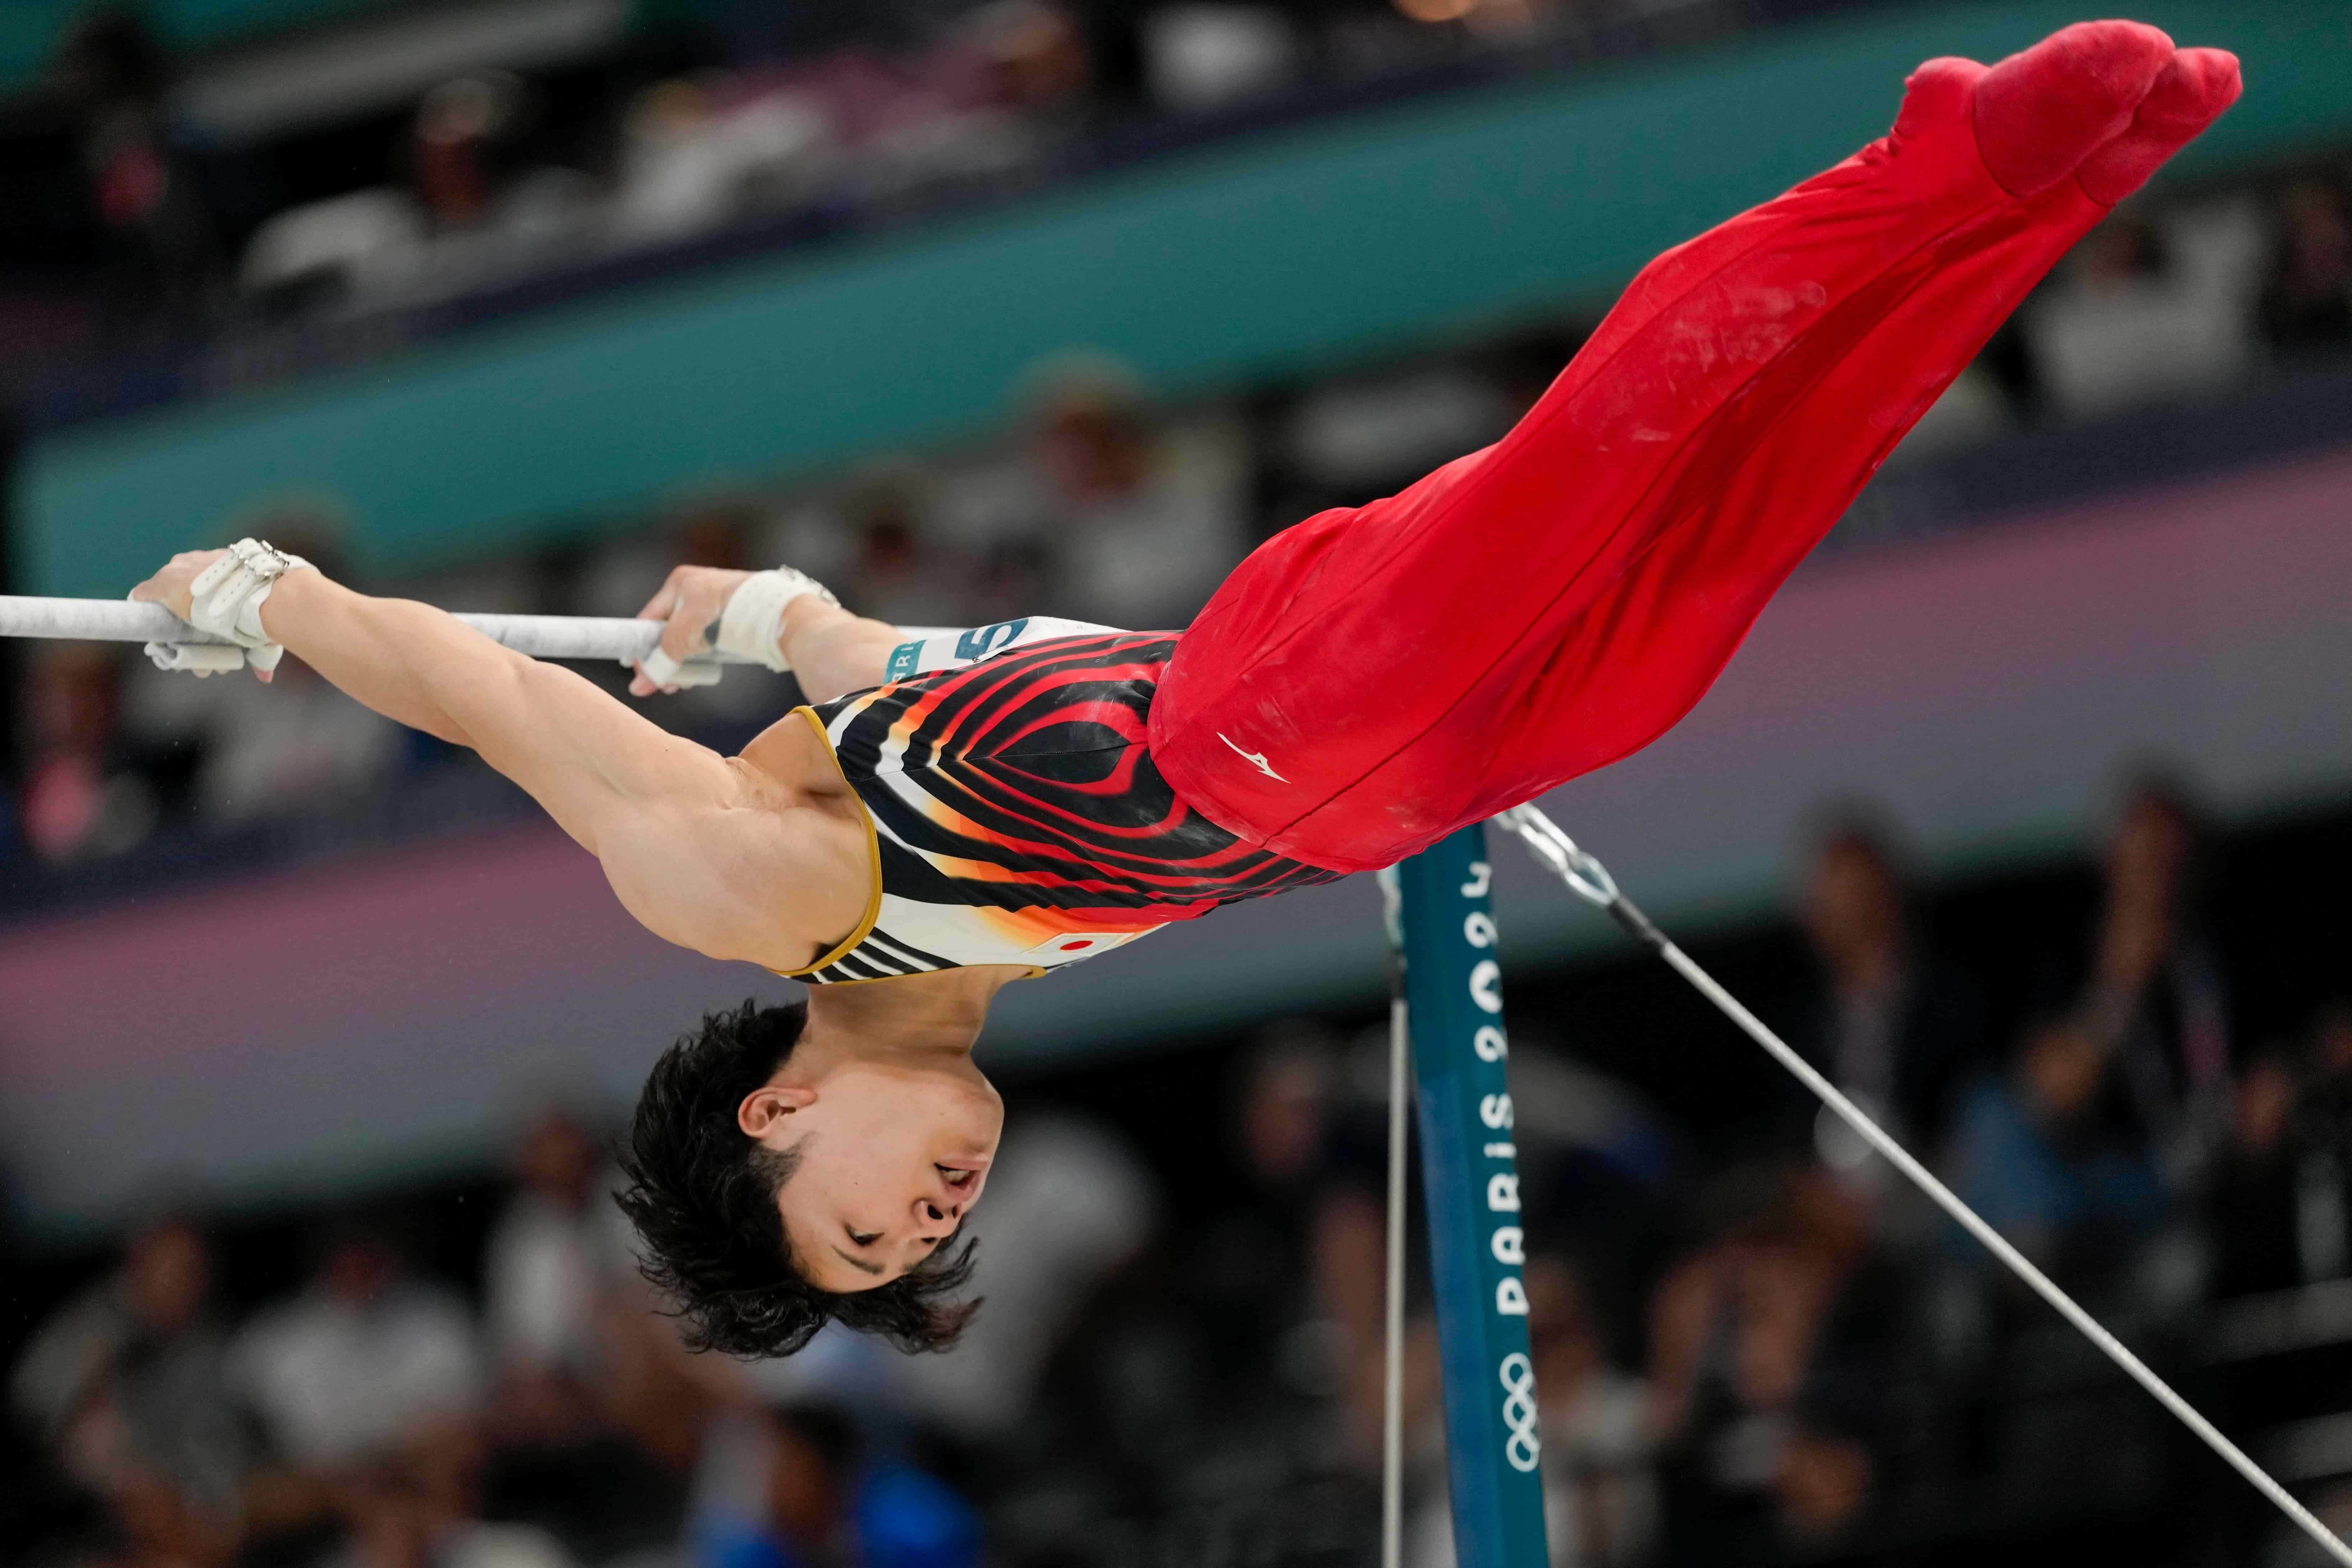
(1454, 998)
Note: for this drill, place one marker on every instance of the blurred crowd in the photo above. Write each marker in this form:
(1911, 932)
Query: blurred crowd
(163, 197)
(143, 217)
(1752, 1342)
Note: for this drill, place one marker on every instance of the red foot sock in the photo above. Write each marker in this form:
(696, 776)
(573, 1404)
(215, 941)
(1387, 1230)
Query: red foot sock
(2040, 112)
(2191, 93)
(1942, 91)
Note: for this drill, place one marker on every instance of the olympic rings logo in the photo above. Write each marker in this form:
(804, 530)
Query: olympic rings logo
(1518, 1378)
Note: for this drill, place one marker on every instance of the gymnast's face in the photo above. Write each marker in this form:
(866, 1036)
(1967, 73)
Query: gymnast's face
(892, 1156)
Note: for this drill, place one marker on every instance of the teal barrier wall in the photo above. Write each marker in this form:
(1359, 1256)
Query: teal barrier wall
(1290, 254)
(30, 29)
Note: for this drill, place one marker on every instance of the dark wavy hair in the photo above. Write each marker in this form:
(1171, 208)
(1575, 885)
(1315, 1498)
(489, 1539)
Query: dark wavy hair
(702, 1195)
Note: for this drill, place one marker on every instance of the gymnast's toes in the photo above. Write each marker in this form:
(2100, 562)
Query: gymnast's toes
(2191, 93)
(1940, 92)
(2040, 112)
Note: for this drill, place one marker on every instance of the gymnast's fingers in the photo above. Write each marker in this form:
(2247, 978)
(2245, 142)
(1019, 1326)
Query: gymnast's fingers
(170, 586)
(692, 620)
(663, 606)
(665, 599)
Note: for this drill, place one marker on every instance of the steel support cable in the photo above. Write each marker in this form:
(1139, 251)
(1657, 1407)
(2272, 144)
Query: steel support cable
(1591, 880)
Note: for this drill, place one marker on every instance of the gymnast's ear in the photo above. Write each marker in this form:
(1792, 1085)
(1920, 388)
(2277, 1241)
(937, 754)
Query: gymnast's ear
(768, 1104)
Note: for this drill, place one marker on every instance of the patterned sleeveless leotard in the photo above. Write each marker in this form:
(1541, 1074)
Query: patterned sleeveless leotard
(1016, 815)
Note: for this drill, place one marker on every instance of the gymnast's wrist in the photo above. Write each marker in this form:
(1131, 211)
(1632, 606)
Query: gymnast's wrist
(767, 610)
(291, 597)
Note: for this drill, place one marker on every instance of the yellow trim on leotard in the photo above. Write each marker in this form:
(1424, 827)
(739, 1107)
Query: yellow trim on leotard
(873, 862)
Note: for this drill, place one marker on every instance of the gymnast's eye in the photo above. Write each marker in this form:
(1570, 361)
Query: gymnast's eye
(857, 1240)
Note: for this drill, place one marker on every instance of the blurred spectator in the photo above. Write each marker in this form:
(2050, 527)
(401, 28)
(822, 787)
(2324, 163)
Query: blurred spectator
(1891, 1025)
(2032, 1154)
(2157, 997)
(2306, 298)
(159, 248)
(2149, 305)
(2279, 1210)
(1347, 441)
(2325, 1215)
(1216, 1362)
(1974, 408)
(555, 1257)
(1250, 1266)
(1598, 1163)
(822, 1504)
(1067, 1204)
(464, 152)
(690, 158)
(1769, 1347)
(1137, 521)
(418, 1505)
(129, 1383)
(1040, 65)
(1599, 1497)
(1001, 86)
(1344, 441)
(1601, 1494)
(1523, 366)
(593, 1418)
(294, 746)
(2331, 1071)
(1202, 55)
(365, 1359)
(81, 797)
(726, 528)
(896, 573)
(1827, 1476)
(467, 207)
(2255, 1199)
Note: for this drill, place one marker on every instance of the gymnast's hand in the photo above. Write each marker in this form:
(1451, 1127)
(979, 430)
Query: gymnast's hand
(689, 603)
(170, 588)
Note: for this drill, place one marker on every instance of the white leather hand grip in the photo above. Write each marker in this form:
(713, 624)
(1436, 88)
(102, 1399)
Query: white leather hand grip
(751, 627)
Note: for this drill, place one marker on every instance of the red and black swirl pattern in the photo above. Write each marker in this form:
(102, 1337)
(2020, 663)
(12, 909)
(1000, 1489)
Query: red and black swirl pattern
(1025, 782)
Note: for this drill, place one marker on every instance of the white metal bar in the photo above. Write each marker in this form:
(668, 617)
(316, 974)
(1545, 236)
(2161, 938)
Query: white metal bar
(121, 620)
(1393, 1343)
(542, 636)
(1590, 881)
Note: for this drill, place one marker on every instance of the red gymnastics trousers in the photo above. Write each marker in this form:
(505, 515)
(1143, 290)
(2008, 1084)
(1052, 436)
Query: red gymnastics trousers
(1373, 679)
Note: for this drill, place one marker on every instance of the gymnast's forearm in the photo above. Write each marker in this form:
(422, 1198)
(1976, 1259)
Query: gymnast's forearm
(405, 660)
(833, 652)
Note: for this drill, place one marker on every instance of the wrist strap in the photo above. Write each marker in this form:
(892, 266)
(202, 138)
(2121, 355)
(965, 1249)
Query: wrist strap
(227, 599)
(228, 594)
(751, 626)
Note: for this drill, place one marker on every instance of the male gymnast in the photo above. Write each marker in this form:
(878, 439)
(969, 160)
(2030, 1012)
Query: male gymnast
(953, 815)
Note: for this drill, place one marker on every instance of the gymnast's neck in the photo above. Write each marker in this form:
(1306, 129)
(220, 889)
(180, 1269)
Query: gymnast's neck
(916, 1014)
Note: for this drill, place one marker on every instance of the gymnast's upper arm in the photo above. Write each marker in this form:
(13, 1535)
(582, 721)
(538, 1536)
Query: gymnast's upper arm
(696, 851)
(589, 759)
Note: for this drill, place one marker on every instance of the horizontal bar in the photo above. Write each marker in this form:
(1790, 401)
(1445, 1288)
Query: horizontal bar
(610, 638)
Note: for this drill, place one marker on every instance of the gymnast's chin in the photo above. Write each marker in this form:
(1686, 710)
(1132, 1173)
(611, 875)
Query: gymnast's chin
(788, 1167)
